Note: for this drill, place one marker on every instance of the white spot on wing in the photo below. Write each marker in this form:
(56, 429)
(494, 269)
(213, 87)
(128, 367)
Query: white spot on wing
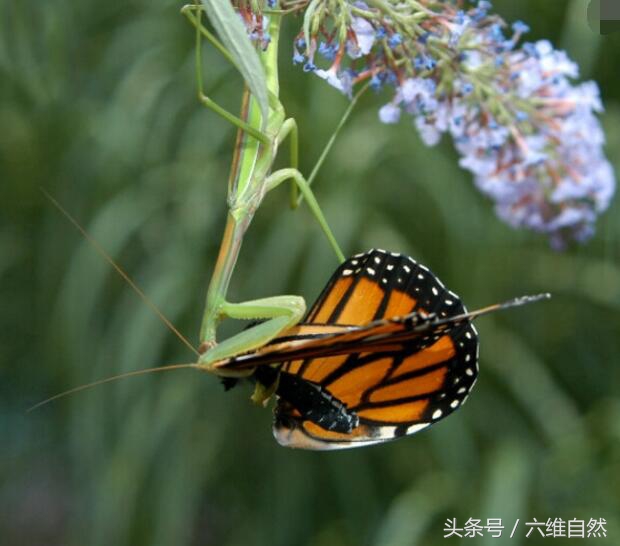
(437, 414)
(385, 433)
(347, 272)
(416, 428)
(454, 404)
(371, 271)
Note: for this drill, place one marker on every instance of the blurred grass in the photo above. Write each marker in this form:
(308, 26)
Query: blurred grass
(97, 106)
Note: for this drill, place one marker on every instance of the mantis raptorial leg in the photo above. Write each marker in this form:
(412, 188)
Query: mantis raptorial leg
(282, 313)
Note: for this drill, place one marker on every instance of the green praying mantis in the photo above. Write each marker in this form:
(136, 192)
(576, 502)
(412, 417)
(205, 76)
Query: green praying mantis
(262, 128)
(251, 178)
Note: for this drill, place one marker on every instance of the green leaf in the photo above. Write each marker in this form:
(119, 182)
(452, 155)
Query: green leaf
(234, 36)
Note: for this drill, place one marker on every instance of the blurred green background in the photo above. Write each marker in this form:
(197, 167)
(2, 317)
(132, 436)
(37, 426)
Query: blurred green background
(97, 106)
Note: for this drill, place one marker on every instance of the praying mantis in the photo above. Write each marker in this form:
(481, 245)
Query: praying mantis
(261, 132)
(251, 178)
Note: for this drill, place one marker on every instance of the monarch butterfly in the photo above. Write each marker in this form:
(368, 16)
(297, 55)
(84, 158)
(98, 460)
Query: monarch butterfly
(384, 352)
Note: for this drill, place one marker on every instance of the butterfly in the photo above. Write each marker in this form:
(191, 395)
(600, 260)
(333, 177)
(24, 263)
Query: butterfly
(385, 351)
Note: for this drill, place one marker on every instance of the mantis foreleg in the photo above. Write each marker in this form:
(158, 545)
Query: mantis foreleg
(282, 312)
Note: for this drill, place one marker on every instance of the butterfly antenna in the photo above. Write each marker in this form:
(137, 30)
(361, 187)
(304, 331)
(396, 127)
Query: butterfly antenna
(515, 302)
(102, 252)
(109, 380)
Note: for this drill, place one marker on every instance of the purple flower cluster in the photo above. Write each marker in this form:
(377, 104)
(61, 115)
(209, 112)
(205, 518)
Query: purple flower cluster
(543, 164)
(359, 42)
(530, 137)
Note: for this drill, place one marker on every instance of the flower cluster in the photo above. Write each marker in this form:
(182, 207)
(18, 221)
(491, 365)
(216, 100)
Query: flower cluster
(538, 153)
(529, 136)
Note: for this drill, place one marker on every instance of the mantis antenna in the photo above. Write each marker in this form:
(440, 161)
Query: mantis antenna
(135, 373)
(101, 251)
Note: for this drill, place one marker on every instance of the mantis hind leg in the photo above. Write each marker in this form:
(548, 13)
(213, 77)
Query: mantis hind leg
(276, 178)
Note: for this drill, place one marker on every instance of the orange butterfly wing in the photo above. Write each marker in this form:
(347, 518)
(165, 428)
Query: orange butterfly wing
(397, 385)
